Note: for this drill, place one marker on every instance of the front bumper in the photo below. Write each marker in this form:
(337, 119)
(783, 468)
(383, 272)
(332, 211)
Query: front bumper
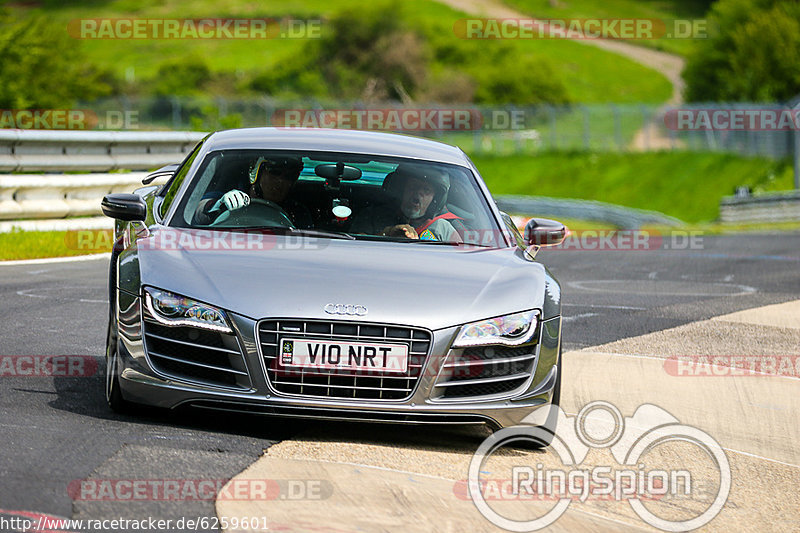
(141, 383)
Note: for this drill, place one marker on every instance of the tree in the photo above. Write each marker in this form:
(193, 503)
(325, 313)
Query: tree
(752, 54)
(42, 67)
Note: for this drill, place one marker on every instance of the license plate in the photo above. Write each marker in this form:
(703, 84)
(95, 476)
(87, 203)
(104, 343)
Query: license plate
(310, 353)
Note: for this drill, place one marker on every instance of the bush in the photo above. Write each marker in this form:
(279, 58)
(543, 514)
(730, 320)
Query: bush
(366, 53)
(375, 54)
(519, 80)
(42, 67)
(181, 77)
(753, 53)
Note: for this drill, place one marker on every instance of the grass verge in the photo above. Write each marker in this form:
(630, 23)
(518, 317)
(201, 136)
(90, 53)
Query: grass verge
(684, 185)
(41, 244)
(590, 74)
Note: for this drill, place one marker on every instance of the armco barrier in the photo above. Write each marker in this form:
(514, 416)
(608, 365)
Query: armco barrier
(24, 196)
(772, 207)
(52, 196)
(619, 216)
(92, 151)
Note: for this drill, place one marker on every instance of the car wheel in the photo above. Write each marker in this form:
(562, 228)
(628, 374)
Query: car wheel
(556, 401)
(552, 419)
(114, 398)
(551, 422)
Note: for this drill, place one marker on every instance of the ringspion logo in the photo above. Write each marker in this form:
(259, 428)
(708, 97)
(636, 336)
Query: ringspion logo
(600, 425)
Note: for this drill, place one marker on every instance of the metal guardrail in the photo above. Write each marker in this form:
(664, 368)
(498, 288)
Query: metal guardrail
(47, 196)
(91, 151)
(771, 207)
(619, 216)
(53, 196)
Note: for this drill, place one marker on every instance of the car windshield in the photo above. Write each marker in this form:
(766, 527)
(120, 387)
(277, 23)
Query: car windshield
(338, 195)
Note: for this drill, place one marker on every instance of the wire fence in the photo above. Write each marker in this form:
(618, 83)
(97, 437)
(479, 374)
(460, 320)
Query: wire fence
(744, 129)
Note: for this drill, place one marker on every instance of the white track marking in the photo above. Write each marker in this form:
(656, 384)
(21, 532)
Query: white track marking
(50, 260)
(578, 317)
(581, 285)
(626, 307)
(27, 292)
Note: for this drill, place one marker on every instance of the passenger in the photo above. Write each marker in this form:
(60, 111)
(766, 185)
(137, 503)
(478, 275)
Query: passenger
(271, 180)
(422, 209)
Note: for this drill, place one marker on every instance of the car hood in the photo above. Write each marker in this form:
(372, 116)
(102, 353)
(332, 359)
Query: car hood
(425, 285)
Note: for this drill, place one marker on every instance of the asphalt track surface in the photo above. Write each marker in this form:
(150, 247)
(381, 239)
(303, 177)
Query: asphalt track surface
(58, 430)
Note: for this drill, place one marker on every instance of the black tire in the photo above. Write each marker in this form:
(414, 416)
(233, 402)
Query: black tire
(557, 389)
(114, 398)
(552, 418)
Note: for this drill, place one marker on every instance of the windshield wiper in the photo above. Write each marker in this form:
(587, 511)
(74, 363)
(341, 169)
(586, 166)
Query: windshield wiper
(381, 238)
(284, 230)
(444, 243)
(324, 233)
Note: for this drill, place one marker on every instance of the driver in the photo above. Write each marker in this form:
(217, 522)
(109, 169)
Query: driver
(271, 179)
(421, 212)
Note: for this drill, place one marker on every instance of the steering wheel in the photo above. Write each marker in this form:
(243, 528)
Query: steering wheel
(258, 212)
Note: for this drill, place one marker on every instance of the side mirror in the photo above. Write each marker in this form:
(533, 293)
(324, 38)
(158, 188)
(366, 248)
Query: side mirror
(544, 232)
(164, 172)
(124, 206)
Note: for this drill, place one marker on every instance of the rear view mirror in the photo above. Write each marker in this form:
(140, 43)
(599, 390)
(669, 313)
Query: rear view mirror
(544, 232)
(339, 171)
(124, 206)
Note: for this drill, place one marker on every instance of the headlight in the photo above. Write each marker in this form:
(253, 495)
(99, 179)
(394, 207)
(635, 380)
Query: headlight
(173, 310)
(511, 330)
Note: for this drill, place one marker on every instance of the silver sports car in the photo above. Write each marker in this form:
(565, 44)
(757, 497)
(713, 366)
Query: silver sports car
(330, 274)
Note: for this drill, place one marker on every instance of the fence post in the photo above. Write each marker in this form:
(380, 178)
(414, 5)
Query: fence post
(797, 159)
(587, 131)
(796, 154)
(176, 113)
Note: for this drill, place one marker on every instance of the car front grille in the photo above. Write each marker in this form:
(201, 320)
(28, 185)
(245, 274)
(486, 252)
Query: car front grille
(193, 354)
(339, 382)
(486, 371)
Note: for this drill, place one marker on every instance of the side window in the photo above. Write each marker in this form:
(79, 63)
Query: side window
(175, 183)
